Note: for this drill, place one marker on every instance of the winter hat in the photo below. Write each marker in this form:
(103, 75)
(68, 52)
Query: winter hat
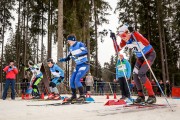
(50, 60)
(71, 37)
(123, 28)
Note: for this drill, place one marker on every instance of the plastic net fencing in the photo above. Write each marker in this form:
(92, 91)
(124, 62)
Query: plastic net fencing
(99, 88)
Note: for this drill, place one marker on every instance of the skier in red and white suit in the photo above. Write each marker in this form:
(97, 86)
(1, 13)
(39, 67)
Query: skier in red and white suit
(141, 67)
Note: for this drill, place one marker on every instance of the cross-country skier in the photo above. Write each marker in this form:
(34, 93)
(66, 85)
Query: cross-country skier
(140, 69)
(35, 79)
(58, 77)
(78, 52)
(123, 71)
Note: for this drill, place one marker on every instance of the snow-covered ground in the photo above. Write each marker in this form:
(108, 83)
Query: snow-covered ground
(19, 110)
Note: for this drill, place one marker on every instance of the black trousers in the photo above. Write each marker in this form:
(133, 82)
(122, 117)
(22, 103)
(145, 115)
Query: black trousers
(124, 87)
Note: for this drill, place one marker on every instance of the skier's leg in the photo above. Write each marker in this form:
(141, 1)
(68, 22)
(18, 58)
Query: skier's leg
(141, 97)
(136, 78)
(81, 71)
(35, 86)
(142, 75)
(73, 87)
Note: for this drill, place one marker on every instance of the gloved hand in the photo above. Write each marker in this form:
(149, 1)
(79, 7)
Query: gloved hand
(22, 64)
(61, 60)
(61, 79)
(131, 29)
(113, 36)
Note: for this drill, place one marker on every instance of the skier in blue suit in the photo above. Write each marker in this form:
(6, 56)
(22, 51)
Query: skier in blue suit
(78, 52)
(58, 77)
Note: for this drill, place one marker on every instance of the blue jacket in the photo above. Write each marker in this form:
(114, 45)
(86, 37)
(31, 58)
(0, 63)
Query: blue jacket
(121, 66)
(56, 71)
(78, 52)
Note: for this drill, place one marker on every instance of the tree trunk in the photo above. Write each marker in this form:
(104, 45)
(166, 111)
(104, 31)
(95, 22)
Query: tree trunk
(49, 30)
(60, 32)
(135, 15)
(42, 34)
(160, 38)
(2, 54)
(96, 39)
(165, 54)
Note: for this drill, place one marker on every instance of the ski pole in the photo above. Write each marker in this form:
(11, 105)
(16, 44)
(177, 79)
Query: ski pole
(93, 65)
(152, 72)
(116, 49)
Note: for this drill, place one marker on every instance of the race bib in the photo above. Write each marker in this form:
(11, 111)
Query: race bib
(121, 67)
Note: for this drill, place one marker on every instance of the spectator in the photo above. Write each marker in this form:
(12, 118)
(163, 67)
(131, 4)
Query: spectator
(153, 82)
(11, 72)
(154, 86)
(114, 86)
(162, 87)
(123, 73)
(168, 89)
(95, 84)
(82, 80)
(101, 87)
(89, 83)
(24, 84)
(134, 90)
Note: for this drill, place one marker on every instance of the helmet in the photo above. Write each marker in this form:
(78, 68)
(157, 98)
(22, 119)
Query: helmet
(30, 62)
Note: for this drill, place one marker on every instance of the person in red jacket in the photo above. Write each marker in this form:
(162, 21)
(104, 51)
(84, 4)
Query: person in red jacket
(11, 72)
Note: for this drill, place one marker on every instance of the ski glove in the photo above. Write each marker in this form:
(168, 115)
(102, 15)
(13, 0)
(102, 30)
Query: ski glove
(131, 29)
(62, 60)
(113, 36)
(61, 79)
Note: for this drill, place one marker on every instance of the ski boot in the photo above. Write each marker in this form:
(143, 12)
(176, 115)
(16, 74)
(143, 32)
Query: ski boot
(129, 100)
(123, 97)
(151, 99)
(56, 97)
(50, 96)
(71, 100)
(36, 97)
(140, 100)
(81, 99)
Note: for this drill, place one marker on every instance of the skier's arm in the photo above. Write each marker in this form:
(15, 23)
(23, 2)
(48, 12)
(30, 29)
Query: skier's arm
(120, 46)
(65, 59)
(128, 66)
(83, 50)
(140, 38)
